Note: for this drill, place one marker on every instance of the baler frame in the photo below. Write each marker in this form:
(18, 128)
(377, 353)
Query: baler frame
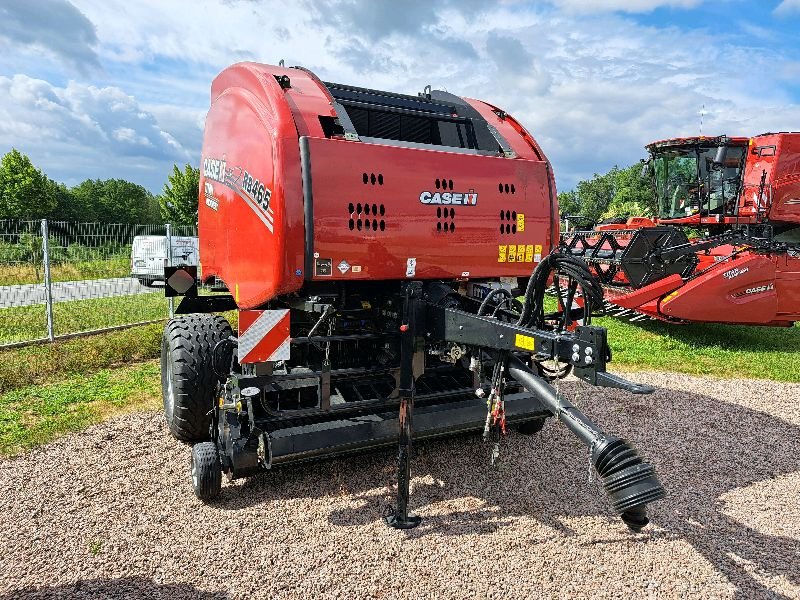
(425, 319)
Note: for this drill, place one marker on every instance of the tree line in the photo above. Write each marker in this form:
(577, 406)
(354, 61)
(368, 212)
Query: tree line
(618, 194)
(27, 193)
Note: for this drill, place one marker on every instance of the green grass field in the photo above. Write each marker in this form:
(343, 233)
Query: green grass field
(30, 322)
(705, 349)
(24, 273)
(36, 414)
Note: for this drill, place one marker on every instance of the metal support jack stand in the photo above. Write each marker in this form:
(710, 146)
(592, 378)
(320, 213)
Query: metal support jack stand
(401, 519)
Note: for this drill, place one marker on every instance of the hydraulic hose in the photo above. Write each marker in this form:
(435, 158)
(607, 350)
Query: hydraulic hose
(487, 300)
(629, 482)
(532, 314)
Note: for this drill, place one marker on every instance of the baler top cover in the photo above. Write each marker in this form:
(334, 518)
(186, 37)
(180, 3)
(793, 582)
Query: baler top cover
(309, 181)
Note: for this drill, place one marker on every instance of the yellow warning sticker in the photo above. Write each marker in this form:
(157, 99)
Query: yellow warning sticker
(537, 256)
(529, 253)
(501, 253)
(520, 222)
(524, 341)
(521, 253)
(512, 253)
(669, 297)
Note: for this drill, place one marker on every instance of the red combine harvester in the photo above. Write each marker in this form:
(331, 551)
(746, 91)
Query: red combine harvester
(745, 192)
(375, 245)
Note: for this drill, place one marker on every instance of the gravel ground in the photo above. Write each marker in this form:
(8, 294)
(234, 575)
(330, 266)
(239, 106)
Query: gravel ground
(110, 513)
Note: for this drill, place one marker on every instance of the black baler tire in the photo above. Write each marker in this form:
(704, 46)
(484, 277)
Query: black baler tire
(206, 471)
(531, 427)
(188, 343)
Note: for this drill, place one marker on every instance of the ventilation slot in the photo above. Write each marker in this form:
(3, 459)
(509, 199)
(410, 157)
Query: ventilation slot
(508, 221)
(444, 184)
(445, 219)
(372, 178)
(366, 217)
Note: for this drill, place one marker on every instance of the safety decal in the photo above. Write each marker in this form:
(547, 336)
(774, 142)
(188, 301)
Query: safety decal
(525, 342)
(343, 266)
(520, 222)
(519, 253)
(411, 267)
(264, 335)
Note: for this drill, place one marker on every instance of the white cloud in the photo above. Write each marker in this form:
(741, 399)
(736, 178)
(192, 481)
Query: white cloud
(788, 6)
(79, 131)
(630, 6)
(52, 27)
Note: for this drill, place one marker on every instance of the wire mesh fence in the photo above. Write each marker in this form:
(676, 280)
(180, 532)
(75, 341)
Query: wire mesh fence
(59, 278)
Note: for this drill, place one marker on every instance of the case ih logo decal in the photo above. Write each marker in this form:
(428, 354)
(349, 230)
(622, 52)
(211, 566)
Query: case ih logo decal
(759, 289)
(456, 198)
(247, 187)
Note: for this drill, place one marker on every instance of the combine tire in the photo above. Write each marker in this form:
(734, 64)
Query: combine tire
(188, 380)
(206, 471)
(531, 427)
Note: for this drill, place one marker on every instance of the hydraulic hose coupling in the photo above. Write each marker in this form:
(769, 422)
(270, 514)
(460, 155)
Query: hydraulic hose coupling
(629, 482)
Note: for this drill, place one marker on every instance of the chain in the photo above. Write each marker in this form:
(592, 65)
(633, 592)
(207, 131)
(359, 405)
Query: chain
(328, 343)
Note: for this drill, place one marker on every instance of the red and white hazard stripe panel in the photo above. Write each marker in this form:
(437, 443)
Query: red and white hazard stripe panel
(263, 335)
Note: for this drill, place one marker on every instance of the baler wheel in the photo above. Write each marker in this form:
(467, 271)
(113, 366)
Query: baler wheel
(206, 471)
(531, 427)
(188, 380)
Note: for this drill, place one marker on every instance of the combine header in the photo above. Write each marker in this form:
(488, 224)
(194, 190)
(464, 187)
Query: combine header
(375, 245)
(745, 194)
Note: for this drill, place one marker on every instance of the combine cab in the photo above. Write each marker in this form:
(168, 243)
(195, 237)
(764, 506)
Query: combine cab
(744, 194)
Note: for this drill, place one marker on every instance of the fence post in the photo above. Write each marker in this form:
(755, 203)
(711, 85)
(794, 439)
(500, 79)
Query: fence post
(48, 287)
(169, 263)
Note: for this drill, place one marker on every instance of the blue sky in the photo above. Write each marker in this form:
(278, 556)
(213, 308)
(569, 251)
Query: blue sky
(104, 88)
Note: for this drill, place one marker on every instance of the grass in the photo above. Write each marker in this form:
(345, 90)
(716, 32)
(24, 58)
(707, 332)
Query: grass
(37, 414)
(24, 273)
(46, 363)
(706, 349)
(30, 322)
(48, 390)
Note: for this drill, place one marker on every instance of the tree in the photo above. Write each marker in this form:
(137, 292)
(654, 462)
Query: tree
(179, 199)
(124, 202)
(620, 193)
(86, 198)
(23, 188)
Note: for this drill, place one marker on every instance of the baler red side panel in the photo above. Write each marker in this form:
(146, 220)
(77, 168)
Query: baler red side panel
(251, 206)
(411, 239)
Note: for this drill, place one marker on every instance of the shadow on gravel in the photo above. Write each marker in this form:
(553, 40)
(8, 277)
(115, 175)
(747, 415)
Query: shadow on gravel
(701, 449)
(133, 588)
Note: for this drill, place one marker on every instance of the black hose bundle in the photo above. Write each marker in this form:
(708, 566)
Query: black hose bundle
(573, 268)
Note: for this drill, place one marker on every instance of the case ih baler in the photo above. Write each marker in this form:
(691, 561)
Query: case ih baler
(745, 193)
(375, 245)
